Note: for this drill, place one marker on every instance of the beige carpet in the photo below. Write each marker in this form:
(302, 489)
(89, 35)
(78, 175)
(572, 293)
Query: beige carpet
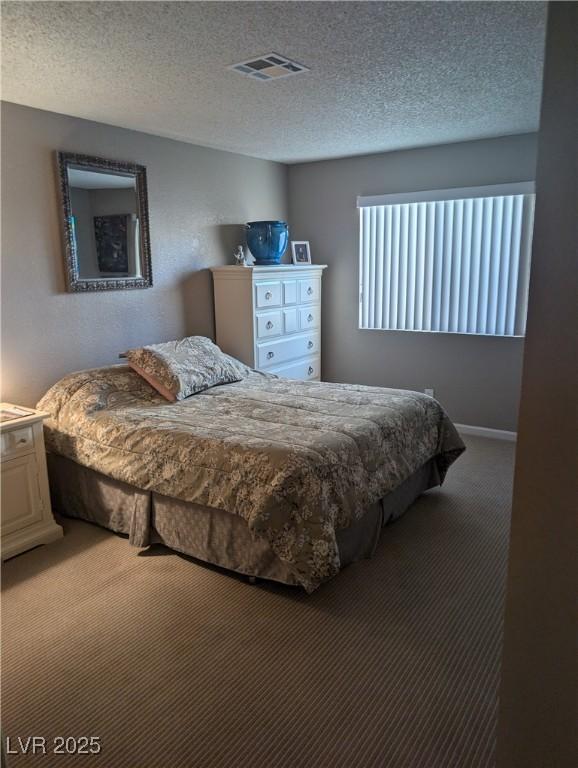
(394, 663)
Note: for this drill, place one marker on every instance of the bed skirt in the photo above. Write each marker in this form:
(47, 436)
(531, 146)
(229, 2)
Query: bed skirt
(210, 535)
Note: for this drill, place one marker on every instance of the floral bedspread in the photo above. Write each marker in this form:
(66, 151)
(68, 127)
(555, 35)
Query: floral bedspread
(297, 460)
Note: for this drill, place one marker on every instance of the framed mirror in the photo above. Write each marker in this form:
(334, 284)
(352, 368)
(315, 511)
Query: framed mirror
(105, 223)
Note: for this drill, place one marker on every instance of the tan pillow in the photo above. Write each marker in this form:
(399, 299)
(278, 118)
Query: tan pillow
(178, 369)
(162, 390)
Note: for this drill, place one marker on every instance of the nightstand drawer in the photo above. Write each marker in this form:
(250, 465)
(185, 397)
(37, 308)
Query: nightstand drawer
(17, 442)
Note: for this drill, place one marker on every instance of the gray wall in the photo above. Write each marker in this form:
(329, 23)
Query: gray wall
(476, 378)
(198, 200)
(537, 726)
(81, 205)
(107, 202)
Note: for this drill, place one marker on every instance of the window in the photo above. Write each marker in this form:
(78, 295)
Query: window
(451, 261)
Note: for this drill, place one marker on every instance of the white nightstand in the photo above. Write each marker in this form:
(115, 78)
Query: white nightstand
(26, 516)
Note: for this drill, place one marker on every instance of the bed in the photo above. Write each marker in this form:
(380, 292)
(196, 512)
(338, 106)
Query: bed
(275, 478)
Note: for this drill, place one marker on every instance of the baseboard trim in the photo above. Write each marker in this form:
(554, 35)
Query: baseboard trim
(495, 434)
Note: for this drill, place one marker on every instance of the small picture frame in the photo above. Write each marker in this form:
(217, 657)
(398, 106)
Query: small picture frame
(300, 252)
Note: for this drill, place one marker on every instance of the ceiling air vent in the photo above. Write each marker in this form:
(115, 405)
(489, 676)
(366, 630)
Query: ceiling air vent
(270, 66)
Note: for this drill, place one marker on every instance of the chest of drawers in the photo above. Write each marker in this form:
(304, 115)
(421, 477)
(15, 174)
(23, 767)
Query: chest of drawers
(270, 317)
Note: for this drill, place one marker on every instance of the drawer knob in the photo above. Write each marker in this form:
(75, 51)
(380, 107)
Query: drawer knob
(309, 318)
(270, 355)
(22, 440)
(310, 370)
(268, 295)
(310, 345)
(309, 291)
(269, 325)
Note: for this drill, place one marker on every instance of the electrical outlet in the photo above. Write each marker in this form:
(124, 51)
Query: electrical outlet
(429, 392)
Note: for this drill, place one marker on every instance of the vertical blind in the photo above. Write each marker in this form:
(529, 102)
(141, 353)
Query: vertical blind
(454, 261)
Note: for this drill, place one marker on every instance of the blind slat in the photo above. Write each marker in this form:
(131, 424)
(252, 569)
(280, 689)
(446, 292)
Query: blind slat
(475, 272)
(420, 266)
(438, 267)
(446, 257)
(372, 249)
(393, 288)
(403, 258)
(466, 256)
(429, 266)
(457, 266)
(494, 265)
(455, 274)
(387, 266)
(524, 265)
(366, 258)
(486, 249)
(506, 257)
(516, 238)
(378, 314)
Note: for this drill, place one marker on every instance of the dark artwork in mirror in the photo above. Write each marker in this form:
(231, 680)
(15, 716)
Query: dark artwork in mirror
(105, 223)
(111, 234)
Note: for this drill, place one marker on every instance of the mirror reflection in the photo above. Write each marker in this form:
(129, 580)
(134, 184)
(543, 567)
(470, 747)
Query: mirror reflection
(105, 221)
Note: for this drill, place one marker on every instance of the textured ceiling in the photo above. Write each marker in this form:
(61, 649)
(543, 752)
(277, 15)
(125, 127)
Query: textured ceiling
(384, 75)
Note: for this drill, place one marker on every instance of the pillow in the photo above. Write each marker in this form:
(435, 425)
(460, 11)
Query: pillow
(178, 369)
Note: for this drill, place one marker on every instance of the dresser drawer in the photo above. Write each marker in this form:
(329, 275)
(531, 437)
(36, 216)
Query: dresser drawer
(309, 290)
(310, 368)
(290, 320)
(269, 324)
(290, 292)
(17, 442)
(309, 317)
(268, 294)
(275, 352)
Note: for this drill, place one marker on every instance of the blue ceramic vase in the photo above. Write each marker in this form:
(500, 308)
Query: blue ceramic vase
(267, 240)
